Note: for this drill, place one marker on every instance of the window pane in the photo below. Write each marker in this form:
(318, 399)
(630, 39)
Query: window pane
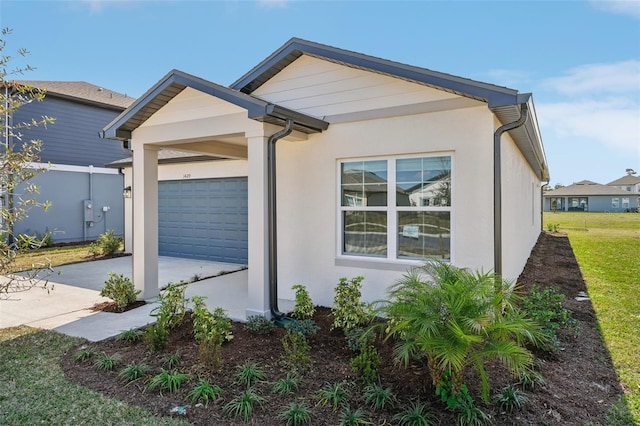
(614, 202)
(365, 232)
(424, 234)
(364, 183)
(424, 181)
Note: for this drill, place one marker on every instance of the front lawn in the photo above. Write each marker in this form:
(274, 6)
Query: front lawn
(34, 389)
(51, 256)
(607, 246)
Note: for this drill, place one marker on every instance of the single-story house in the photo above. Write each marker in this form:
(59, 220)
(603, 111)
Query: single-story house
(590, 196)
(303, 151)
(85, 196)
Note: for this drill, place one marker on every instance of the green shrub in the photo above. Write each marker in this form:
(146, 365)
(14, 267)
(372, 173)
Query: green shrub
(133, 372)
(156, 336)
(553, 227)
(205, 392)
(296, 413)
(471, 415)
(358, 337)
(173, 360)
(249, 373)
(335, 395)
(455, 318)
(350, 417)
(296, 349)
(211, 330)
(107, 244)
(120, 289)
(258, 324)
(84, 354)
(168, 380)
(173, 305)
(107, 362)
(243, 405)
(415, 414)
(306, 327)
(132, 335)
(286, 385)
(303, 308)
(510, 399)
(545, 307)
(366, 364)
(348, 310)
(377, 397)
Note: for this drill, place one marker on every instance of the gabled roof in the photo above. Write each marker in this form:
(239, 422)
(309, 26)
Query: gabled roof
(83, 92)
(494, 95)
(586, 187)
(176, 81)
(503, 102)
(625, 180)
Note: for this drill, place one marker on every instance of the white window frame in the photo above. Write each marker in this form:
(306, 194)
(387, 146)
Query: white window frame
(392, 210)
(615, 202)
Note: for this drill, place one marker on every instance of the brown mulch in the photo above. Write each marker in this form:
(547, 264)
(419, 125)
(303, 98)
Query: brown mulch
(112, 307)
(581, 383)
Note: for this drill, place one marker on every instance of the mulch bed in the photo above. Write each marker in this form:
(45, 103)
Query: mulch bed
(581, 383)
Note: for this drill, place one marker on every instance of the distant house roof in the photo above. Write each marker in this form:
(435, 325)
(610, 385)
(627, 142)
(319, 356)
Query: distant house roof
(166, 156)
(82, 91)
(625, 180)
(585, 187)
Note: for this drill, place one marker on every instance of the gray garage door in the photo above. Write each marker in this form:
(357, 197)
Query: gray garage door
(203, 219)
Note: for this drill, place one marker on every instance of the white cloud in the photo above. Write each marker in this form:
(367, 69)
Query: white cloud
(611, 123)
(598, 78)
(601, 103)
(623, 7)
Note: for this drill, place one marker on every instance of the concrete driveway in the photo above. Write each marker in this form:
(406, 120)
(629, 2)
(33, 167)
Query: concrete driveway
(74, 290)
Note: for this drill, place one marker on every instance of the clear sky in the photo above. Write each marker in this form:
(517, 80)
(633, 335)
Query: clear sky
(580, 59)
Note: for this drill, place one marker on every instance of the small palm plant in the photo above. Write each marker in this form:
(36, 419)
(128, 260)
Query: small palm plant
(457, 319)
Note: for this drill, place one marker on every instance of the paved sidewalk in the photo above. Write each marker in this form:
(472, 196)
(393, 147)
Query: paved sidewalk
(67, 306)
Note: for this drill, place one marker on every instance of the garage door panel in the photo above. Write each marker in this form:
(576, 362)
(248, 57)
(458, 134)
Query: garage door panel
(204, 219)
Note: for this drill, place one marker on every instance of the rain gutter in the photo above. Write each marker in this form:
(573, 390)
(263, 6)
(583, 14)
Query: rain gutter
(273, 219)
(497, 186)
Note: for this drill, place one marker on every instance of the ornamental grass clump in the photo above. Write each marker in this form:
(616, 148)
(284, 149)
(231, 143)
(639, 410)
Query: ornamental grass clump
(454, 319)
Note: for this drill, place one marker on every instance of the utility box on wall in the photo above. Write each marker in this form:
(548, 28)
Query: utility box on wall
(88, 212)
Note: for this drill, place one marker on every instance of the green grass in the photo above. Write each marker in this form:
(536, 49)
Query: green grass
(54, 256)
(608, 252)
(34, 389)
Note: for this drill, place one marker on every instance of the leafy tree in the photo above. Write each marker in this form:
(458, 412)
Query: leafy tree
(456, 319)
(17, 193)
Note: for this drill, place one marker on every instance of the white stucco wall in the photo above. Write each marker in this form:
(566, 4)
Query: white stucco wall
(371, 115)
(521, 209)
(308, 196)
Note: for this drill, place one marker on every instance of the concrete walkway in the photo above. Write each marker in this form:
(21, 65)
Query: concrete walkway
(75, 290)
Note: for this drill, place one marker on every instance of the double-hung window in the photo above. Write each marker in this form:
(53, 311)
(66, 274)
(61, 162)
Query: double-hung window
(396, 208)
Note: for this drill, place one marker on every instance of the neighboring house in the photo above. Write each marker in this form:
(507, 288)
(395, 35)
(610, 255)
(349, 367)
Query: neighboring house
(86, 197)
(345, 128)
(590, 196)
(629, 183)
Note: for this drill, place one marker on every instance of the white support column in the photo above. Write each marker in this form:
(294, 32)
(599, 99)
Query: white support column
(145, 220)
(258, 286)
